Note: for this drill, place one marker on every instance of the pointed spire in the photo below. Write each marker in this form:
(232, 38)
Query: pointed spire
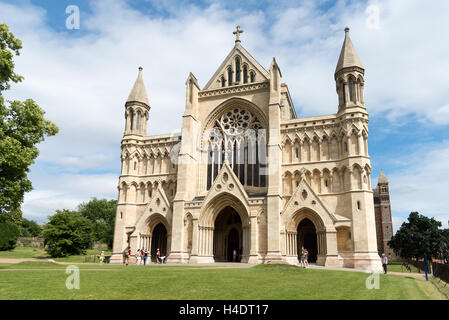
(348, 55)
(382, 178)
(275, 64)
(138, 92)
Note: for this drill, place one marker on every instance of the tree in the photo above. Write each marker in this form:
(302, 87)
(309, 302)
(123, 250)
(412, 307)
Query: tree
(67, 233)
(420, 235)
(9, 46)
(30, 228)
(22, 127)
(102, 214)
(8, 234)
(445, 245)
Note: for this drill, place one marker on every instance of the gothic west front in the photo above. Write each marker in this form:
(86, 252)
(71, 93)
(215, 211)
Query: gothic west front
(247, 175)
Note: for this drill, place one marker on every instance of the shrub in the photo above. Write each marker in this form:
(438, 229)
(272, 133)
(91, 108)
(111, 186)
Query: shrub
(67, 233)
(8, 236)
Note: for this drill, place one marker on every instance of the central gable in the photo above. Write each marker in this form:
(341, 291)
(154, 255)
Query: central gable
(255, 71)
(305, 197)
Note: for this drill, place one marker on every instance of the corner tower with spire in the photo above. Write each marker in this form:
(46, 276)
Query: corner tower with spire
(348, 76)
(137, 108)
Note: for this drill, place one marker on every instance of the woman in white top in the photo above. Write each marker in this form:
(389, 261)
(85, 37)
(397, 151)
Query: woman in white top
(138, 257)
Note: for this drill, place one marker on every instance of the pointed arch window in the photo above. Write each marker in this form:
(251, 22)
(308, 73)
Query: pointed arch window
(245, 74)
(210, 161)
(351, 90)
(239, 139)
(138, 120)
(237, 70)
(252, 77)
(229, 77)
(223, 82)
(132, 120)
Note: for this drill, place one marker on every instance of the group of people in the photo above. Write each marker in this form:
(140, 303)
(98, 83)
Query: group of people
(142, 256)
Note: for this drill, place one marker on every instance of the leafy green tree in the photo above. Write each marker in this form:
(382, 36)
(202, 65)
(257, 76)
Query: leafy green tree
(445, 244)
(9, 46)
(102, 213)
(67, 233)
(420, 235)
(8, 235)
(30, 228)
(22, 127)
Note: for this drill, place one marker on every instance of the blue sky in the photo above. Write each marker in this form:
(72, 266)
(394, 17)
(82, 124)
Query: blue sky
(82, 78)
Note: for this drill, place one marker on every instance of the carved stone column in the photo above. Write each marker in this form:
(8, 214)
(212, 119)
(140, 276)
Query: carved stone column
(346, 93)
(254, 244)
(194, 251)
(350, 172)
(360, 143)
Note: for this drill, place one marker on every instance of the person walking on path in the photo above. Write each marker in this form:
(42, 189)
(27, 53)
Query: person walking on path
(142, 252)
(158, 256)
(145, 257)
(306, 258)
(126, 255)
(301, 257)
(384, 262)
(138, 257)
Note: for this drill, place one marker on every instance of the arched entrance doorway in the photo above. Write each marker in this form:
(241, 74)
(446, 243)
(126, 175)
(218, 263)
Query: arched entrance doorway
(307, 237)
(159, 241)
(228, 232)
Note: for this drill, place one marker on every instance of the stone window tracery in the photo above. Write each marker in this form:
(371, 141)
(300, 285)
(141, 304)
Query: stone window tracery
(229, 77)
(245, 74)
(237, 70)
(239, 139)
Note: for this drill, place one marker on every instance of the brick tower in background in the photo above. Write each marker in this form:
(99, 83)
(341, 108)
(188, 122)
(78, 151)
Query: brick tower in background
(382, 209)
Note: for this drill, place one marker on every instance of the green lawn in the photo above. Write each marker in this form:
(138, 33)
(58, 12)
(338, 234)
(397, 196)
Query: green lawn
(397, 267)
(40, 253)
(278, 282)
(82, 258)
(24, 252)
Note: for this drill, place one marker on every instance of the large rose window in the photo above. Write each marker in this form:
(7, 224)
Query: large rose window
(236, 121)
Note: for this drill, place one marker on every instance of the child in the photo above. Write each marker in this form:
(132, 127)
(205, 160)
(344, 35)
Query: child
(101, 257)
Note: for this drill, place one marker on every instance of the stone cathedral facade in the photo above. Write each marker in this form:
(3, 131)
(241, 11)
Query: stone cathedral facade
(247, 176)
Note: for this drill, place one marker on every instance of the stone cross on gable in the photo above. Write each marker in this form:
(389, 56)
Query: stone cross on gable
(237, 33)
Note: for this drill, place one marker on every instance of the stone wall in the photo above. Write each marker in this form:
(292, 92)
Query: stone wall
(30, 242)
(100, 246)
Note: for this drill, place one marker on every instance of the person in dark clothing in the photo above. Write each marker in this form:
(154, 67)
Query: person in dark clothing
(384, 262)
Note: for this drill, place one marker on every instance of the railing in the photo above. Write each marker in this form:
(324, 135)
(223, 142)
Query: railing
(420, 265)
(439, 270)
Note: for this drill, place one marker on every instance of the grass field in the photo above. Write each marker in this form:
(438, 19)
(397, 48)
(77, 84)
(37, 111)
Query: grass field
(30, 280)
(397, 267)
(40, 253)
(24, 252)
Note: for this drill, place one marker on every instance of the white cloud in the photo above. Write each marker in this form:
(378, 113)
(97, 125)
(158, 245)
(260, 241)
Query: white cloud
(421, 184)
(66, 191)
(83, 81)
(397, 222)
